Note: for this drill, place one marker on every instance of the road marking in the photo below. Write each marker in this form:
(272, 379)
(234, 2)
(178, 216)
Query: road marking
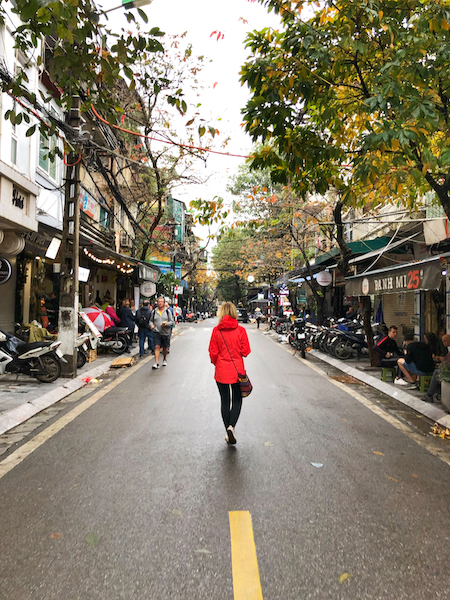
(21, 453)
(207, 328)
(246, 583)
(429, 445)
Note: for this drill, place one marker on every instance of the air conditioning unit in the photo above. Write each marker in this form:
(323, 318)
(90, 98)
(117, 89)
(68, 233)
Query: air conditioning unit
(125, 240)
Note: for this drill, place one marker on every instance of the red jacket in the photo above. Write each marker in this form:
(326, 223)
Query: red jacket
(237, 341)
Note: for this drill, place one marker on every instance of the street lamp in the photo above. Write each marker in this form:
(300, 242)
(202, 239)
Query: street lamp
(128, 4)
(250, 279)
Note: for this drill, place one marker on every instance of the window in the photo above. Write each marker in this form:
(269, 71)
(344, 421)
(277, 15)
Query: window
(104, 218)
(45, 147)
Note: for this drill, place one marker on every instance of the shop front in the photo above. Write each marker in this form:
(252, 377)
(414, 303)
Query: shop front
(410, 296)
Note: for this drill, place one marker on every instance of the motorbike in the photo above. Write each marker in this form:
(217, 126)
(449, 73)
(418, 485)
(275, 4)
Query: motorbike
(38, 359)
(349, 339)
(114, 339)
(82, 346)
(297, 336)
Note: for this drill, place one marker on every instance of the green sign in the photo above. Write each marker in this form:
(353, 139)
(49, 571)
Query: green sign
(176, 211)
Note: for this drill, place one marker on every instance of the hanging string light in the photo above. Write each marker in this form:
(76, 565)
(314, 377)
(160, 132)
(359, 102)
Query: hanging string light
(124, 268)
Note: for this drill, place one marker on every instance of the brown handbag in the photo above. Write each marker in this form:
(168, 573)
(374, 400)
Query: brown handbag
(244, 382)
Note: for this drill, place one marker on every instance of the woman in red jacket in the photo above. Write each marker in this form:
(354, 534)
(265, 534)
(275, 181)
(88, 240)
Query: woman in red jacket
(229, 343)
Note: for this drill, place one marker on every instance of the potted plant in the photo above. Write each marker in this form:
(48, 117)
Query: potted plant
(444, 376)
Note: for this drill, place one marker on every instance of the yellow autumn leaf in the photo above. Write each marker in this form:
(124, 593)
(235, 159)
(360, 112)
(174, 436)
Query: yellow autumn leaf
(380, 15)
(344, 577)
(376, 452)
(445, 25)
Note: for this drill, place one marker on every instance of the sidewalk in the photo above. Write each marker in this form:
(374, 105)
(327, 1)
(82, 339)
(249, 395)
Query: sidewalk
(23, 397)
(359, 370)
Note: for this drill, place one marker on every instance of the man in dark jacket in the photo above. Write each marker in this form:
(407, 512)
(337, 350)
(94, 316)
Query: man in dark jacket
(127, 320)
(387, 349)
(143, 316)
(418, 361)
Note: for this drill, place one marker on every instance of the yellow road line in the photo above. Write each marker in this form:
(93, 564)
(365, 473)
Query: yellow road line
(246, 583)
(21, 453)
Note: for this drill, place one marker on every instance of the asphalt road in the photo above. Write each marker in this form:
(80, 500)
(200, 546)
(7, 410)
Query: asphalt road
(131, 499)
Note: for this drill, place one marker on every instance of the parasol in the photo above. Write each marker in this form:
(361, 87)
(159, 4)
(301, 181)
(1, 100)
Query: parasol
(100, 319)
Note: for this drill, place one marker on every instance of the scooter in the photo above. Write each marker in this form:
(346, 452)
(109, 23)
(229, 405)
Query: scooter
(38, 359)
(82, 349)
(297, 336)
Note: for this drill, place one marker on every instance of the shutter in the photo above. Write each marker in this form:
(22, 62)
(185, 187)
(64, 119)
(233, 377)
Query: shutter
(398, 310)
(8, 295)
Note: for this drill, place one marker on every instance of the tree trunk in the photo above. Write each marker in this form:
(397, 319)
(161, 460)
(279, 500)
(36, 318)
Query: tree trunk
(340, 238)
(366, 305)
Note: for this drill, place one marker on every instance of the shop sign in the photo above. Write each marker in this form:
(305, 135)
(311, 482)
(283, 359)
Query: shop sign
(89, 205)
(5, 270)
(148, 274)
(324, 278)
(178, 290)
(148, 289)
(18, 199)
(406, 279)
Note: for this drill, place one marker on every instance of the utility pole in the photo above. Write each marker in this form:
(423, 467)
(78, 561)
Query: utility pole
(70, 246)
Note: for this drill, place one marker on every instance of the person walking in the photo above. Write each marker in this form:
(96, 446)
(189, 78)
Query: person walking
(127, 320)
(161, 325)
(258, 317)
(229, 344)
(143, 317)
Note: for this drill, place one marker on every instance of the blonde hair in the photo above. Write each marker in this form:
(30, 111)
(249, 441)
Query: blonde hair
(227, 309)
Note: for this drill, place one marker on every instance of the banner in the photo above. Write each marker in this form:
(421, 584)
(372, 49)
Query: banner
(408, 278)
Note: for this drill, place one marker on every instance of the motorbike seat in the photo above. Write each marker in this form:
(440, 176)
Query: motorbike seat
(25, 347)
(115, 329)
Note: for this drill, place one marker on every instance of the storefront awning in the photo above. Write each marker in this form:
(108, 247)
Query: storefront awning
(409, 277)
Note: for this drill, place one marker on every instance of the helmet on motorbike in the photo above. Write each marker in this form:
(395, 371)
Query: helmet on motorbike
(3, 337)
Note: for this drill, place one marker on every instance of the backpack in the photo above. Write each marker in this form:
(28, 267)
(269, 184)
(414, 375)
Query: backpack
(143, 320)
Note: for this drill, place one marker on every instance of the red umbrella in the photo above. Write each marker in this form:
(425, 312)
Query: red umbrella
(100, 319)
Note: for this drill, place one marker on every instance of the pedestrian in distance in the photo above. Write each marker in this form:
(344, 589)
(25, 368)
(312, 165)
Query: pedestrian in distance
(143, 317)
(127, 320)
(161, 325)
(229, 344)
(258, 317)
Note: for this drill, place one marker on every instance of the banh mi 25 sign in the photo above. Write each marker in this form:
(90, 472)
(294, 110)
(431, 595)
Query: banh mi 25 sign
(404, 279)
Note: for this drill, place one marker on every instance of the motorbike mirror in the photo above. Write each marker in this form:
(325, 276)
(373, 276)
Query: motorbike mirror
(3, 337)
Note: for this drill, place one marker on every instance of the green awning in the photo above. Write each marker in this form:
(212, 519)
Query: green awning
(359, 247)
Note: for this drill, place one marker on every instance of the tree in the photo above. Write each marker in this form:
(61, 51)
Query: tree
(161, 152)
(82, 56)
(355, 99)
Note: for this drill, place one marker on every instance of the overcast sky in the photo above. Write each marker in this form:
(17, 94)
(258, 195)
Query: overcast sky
(199, 18)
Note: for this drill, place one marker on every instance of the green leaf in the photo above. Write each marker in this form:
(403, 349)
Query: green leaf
(142, 15)
(30, 131)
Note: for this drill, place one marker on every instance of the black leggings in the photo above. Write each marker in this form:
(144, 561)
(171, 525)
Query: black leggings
(231, 407)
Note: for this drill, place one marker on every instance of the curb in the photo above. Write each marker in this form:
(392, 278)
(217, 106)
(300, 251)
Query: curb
(430, 411)
(25, 411)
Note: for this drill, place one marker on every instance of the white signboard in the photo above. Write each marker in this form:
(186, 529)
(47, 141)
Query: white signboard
(148, 289)
(178, 290)
(324, 278)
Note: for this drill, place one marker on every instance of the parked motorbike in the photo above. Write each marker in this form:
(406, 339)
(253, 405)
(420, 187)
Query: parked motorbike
(38, 359)
(114, 339)
(82, 346)
(297, 336)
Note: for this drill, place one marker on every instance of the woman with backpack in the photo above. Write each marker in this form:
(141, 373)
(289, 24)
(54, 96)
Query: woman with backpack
(229, 344)
(143, 316)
